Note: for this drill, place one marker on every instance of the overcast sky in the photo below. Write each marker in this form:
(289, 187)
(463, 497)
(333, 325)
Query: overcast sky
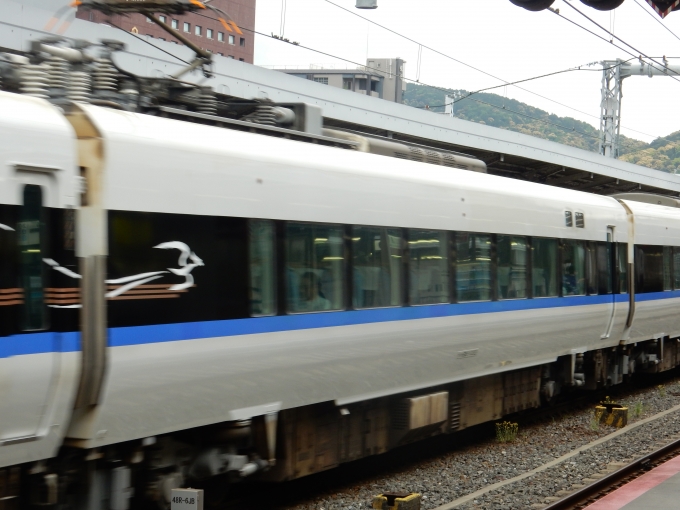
(494, 36)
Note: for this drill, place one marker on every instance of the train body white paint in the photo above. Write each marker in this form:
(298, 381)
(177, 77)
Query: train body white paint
(164, 377)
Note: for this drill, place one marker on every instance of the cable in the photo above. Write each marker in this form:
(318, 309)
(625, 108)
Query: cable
(572, 130)
(657, 20)
(662, 67)
(578, 68)
(147, 42)
(461, 62)
(560, 126)
(541, 76)
(282, 25)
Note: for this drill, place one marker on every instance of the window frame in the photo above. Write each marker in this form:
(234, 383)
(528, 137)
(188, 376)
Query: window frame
(275, 263)
(344, 271)
(445, 235)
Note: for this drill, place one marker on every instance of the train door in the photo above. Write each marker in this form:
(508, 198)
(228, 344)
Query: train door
(606, 263)
(27, 350)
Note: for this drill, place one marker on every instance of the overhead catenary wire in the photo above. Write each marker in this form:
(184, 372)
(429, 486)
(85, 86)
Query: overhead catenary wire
(578, 68)
(657, 20)
(660, 67)
(547, 122)
(565, 128)
(109, 22)
(282, 25)
(470, 66)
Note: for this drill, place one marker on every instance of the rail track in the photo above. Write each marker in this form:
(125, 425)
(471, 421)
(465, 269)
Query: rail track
(409, 467)
(594, 491)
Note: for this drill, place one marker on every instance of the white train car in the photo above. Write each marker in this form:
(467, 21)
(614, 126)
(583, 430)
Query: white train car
(228, 303)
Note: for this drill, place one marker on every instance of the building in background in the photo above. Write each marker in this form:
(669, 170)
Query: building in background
(380, 77)
(207, 33)
(392, 70)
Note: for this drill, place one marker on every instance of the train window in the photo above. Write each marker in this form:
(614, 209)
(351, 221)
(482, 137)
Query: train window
(676, 268)
(378, 277)
(473, 267)
(649, 269)
(262, 288)
(428, 267)
(604, 268)
(622, 267)
(573, 268)
(580, 220)
(31, 241)
(544, 267)
(568, 220)
(591, 268)
(315, 259)
(512, 267)
(667, 268)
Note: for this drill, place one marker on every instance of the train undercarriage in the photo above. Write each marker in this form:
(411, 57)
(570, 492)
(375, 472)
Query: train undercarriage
(298, 442)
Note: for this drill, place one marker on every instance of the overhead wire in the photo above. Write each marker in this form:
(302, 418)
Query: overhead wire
(578, 68)
(109, 22)
(641, 54)
(657, 20)
(282, 25)
(566, 128)
(466, 64)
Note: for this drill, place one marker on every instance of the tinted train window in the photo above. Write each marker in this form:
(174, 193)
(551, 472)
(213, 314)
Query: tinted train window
(622, 267)
(262, 268)
(512, 267)
(544, 267)
(473, 267)
(649, 269)
(315, 264)
(604, 267)
(591, 268)
(31, 240)
(377, 267)
(573, 268)
(429, 267)
(676, 268)
(667, 268)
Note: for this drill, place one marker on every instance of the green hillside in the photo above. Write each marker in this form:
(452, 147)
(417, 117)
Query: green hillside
(662, 154)
(517, 116)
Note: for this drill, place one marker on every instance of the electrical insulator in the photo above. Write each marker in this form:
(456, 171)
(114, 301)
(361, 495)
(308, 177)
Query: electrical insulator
(367, 4)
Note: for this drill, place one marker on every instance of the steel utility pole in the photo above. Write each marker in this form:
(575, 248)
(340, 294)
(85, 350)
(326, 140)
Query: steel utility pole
(613, 74)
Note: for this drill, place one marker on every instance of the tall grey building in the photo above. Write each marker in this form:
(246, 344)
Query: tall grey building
(392, 70)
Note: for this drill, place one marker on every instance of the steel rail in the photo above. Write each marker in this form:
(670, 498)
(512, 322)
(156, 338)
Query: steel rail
(597, 489)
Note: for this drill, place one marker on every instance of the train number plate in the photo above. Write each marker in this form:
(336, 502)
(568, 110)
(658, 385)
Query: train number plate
(186, 499)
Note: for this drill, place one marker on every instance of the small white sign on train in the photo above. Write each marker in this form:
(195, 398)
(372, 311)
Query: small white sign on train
(186, 499)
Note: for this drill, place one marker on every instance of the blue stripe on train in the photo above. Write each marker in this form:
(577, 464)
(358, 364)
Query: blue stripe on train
(35, 343)
(137, 335)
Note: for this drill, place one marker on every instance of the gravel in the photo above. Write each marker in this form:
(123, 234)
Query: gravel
(467, 468)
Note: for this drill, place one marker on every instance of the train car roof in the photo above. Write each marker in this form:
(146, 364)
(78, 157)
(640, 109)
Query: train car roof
(655, 224)
(164, 165)
(37, 146)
